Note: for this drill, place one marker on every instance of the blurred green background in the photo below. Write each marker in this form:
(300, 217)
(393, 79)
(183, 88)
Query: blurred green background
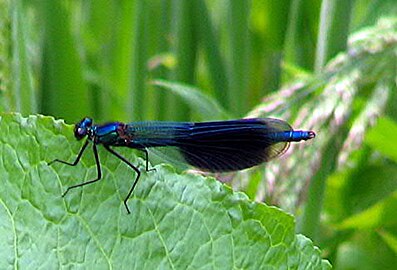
(325, 65)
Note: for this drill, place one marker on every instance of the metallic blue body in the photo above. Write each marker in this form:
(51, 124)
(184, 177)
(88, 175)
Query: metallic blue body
(107, 134)
(212, 146)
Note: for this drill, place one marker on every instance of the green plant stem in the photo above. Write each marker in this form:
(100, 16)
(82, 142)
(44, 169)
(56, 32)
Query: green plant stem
(161, 72)
(64, 91)
(121, 65)
(299, 41)
(139, 62)
(333, 30)
(24, 97)
(5, 67)
(239, 65)
(185, 53)
(208, 38)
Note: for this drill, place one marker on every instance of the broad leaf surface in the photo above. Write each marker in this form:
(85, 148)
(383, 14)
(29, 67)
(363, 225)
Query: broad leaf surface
(178, 221)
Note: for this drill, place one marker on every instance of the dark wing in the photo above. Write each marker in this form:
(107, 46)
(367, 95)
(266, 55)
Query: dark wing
(233, 145)
(216, 146)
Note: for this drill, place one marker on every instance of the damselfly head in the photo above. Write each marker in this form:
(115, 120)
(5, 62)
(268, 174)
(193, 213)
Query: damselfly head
(82, 128)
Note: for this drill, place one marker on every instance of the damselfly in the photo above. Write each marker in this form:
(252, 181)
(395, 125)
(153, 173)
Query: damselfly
(220, 146)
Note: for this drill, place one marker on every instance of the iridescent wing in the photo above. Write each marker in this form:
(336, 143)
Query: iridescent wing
(213, 146)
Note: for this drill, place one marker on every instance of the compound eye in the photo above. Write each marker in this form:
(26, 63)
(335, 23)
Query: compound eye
(80, 132)
(82, 128)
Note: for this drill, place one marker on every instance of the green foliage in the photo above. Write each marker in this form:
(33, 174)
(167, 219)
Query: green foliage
(62, 69)
(206, 107)
(177, 221)
(378, 138)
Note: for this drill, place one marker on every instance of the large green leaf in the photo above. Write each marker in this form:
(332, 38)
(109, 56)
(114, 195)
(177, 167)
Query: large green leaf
(178, 221)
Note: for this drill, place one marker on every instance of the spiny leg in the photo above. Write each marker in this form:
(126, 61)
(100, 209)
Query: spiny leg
(133, 167)
(79, 155)
(99, 171)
